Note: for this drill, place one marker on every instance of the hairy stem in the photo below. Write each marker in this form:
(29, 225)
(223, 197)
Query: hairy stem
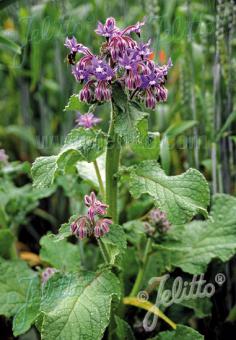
(112, 167)
(99, 177)
(102, 245)
(139, 278)
(104, 251)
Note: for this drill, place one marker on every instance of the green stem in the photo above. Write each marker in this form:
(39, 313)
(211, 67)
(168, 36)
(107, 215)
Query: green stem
(112, 167)
(102, 245)
(104, 250)
(139, 278)
(99, 177)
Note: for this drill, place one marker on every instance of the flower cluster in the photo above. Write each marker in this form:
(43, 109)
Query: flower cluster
(94, 223)
(121, 59)
(157, 222)
(3, 156)
(87, 120)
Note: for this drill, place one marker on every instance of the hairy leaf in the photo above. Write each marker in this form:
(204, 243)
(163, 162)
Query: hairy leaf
(181, 196)
(181, 332)
(77, 306)
(44, 171)
(128, 117)
(116, 241)
(80, 145)
(74, 103)
(123, 329)
(19, 294)
(201, 241)
(7, 240)
(61, 255)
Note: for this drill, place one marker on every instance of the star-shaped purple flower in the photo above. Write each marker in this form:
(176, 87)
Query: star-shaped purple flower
(87, 120)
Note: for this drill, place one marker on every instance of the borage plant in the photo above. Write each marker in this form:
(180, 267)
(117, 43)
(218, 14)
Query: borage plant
(106, 255)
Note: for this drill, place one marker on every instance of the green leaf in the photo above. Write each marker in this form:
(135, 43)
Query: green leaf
(181, 333)
(19, 294)
(16, 202)
(60, 255)
(148, 147)
(181, 197)
(128, 117)
(135, 231)
(202, 306)
(201, 241)
(87, 171)
(123, 329)
(77, 306)
(8, 44)
(180, 127)
(87, 143)
(64, 231)
(7, 240)
(116, 241)
(80, 145)
(74, 103)
(44, 171)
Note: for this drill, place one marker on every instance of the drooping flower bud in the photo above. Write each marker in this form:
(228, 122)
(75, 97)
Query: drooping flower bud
(81, 228)
(102, 227)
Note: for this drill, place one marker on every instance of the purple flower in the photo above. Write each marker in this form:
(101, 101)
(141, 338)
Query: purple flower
(150, 99)
(161, 93)
(75, 47)
(102, 227)
(159, 220)
(118, 45)
(91, 224)
(3, 156)
(142, 50)
(156, 215)
(101, 70)
(133, 28)
(128, 61)
(108, 29)
(87, 92)
(103, 91)
(87, 120)
(95, 206)
(121, 59)
(80, 73)
(81, 228)
(47, 273)
(71, 44)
